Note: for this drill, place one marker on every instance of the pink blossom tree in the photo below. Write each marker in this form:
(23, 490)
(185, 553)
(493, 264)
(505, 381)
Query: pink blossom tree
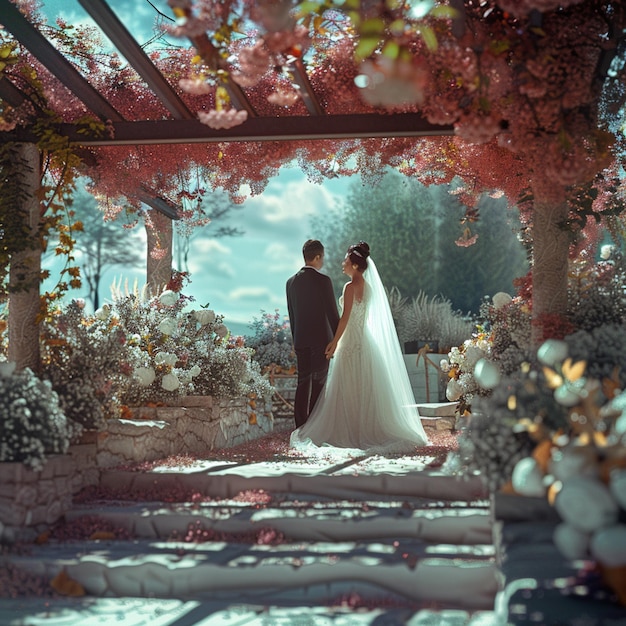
(529, 86)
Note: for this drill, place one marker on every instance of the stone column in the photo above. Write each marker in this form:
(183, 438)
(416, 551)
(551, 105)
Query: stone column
(159, 262)
(25, 269)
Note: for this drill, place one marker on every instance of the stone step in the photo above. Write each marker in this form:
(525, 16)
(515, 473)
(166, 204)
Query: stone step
(311, 522)
(349, 482)
(169, 612)
(286, 573)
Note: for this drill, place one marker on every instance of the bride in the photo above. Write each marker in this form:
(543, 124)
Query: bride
(367, 403)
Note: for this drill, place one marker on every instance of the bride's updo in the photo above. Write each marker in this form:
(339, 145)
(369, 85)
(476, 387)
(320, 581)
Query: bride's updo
(358, 253)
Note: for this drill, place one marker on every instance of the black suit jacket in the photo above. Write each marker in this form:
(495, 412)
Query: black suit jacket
(313, 314)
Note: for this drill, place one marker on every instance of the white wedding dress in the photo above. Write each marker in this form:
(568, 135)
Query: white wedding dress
(367, 403)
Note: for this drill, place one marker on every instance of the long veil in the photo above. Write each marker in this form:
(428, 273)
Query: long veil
(381, 326)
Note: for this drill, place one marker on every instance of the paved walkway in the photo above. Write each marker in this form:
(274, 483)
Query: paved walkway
(274, 541)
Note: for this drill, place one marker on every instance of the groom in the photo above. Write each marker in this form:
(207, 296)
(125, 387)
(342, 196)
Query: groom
(313, 317)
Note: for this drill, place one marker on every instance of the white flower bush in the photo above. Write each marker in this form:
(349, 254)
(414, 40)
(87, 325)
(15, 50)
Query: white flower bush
(85, 358)
(33, 424)
(95, 365)
(173, 351)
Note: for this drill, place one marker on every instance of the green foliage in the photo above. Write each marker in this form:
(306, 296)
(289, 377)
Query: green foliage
(432, 318)
(412, 230)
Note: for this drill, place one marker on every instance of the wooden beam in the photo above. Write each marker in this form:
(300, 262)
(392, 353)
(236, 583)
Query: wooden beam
(53, 61)
(113, 28)
(288, 128)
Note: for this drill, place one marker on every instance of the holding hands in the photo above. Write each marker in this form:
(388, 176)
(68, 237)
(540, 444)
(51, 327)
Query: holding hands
(330, 349)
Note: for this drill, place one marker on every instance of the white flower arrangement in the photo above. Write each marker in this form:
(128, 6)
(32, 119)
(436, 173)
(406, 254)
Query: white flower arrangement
(93, 365)
(175, 352)
(460, 367)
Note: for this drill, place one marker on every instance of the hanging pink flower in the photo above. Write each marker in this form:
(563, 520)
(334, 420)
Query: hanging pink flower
(223, 119)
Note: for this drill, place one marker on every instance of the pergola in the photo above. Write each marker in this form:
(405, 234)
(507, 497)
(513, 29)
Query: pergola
(182, 126)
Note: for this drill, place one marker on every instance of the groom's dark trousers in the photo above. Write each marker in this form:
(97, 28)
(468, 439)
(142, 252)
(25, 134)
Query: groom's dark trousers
(313, 318)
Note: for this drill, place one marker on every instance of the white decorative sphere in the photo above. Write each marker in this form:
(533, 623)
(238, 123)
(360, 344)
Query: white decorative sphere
(145, 375)
(221, 331)
(527, 478)
(552, 351)
(168, 298)
(204, 316)
(617, 487)
(7, 368)
(608, 546)
(586, 504)
(454, 390)
(501, 299)
(573, 460)
(487, 374)
(571, 542)
(170, 382)
(566, 396)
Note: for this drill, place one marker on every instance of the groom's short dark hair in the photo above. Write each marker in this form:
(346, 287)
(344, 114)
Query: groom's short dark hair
(311, 248)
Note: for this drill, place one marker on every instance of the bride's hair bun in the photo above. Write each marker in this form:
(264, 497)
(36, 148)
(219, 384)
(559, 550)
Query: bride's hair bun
(364, 248)
(358, 253)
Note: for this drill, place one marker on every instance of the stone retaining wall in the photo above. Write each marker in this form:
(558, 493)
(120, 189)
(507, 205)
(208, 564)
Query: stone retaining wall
(31, 501)
(201, 425)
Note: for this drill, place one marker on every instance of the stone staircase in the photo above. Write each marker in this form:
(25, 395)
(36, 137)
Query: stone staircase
(283, 541)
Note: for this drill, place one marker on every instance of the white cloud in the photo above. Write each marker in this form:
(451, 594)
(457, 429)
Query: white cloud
(294, 201)
(250, 293)
(282, 259)
(210, 246)
(227, 270)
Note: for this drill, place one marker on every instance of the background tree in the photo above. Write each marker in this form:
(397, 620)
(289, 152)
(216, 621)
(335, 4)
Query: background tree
(412, 232)
(102, 244)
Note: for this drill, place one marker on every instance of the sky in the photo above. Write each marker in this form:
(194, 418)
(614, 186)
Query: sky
(237, 276)
(243, 275)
